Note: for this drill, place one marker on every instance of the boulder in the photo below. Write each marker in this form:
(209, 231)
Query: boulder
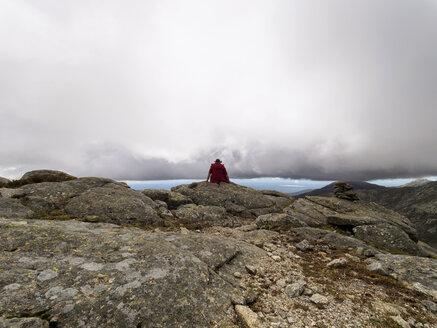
(80, 274)
(115, 204)
(4, 181)
(307, 211)
(237, 200)
(344, 190)
(281, 199)
(163, 210)
(335, 239)
(192, 213)
(38, 176)
(53, 175)
(388, 237)
(45, 197)
(172, 199)
(418, 204)
(387, 229)
(157, 194)
(278, 221)
(419, 272)
(280, 202)
(304, 246)
(12, 208)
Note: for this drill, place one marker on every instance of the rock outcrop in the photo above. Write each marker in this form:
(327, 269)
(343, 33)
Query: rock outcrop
(255, 259)
(369, 222)
(88, 199)
(237, 200)
(46, 176)
(420, 272)
(115, 204)
(418, 204)
(77, 274)
(4, 181)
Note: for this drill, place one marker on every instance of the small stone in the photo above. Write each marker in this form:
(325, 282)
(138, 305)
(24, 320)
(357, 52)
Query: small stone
(326, 249)
(290, 320)
(377, 268)
(359, 250)
(319, 299)
(237, 274)
(337, 263)
(353, 258)
(270, 247)
(184, 231)
(401, 322)
(295, 289)
(276, 258)
(308, 292)
(238, 300)
(247, 317)
(281, 283)
(251, 296)
(304, 246)
(251, 269)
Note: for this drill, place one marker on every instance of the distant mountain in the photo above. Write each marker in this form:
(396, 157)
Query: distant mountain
(328, 190)
(419, 204)
(416, 183)
(300, 192)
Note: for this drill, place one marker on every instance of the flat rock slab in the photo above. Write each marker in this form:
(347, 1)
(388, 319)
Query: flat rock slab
(101, 275)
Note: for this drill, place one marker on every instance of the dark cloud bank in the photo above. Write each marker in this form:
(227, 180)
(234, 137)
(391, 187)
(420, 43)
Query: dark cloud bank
(322, 90)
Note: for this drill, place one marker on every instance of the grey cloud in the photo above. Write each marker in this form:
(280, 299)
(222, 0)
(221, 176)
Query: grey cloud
(147, 90)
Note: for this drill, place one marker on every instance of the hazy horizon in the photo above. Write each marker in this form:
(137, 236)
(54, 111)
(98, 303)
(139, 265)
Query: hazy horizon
(279, 184)
(321, 90)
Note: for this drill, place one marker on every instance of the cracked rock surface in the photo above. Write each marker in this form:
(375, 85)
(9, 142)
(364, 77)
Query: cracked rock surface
(82, 274)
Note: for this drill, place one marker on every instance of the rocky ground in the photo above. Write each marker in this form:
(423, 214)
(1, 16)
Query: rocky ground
(91, 252)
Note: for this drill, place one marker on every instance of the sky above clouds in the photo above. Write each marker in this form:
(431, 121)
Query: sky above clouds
(137, 90)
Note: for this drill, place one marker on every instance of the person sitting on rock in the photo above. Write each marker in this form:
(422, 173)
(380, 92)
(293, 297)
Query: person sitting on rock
(217, 173)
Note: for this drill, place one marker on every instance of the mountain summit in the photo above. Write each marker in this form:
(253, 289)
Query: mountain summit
(92, 252)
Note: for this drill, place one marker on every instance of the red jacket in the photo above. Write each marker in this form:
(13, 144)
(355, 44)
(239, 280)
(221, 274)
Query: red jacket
(218, 173)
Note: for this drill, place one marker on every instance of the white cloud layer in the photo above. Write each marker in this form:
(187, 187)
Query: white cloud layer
(158, 89)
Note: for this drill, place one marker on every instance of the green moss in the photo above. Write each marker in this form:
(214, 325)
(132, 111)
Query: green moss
(383, 323)
(54, 215)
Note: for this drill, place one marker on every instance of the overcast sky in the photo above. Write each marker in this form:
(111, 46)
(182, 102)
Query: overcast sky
(134, 89)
